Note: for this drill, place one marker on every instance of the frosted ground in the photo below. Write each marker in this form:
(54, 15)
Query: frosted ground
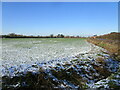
(25, 52)
(22, 55)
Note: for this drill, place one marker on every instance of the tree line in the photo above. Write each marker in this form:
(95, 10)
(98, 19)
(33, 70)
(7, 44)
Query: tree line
(13, 35)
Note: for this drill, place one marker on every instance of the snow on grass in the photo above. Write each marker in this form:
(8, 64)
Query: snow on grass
(73, 57)
(29, 51)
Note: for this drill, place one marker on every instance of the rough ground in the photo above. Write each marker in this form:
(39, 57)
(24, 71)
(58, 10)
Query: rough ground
(83, 72)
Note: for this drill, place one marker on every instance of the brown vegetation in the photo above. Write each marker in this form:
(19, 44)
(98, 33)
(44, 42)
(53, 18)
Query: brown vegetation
(110, 42)
(100, 60)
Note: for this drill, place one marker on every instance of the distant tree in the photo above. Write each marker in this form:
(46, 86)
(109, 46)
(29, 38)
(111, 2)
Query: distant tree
(94, 35)
(78, 36)
(51, 35)
(113, 32)
(12, 34)
(60, 36)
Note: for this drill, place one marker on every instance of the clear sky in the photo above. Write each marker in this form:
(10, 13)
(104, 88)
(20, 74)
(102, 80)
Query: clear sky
(68, 18)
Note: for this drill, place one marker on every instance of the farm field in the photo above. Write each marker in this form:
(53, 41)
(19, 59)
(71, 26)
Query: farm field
(28, 51)
(77, 58)
(33, 50)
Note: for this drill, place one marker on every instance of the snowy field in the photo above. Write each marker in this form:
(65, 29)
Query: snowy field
(74, 56)
(27, 51)
(24, 52)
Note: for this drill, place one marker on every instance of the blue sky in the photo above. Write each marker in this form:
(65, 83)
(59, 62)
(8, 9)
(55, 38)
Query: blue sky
(68, 18)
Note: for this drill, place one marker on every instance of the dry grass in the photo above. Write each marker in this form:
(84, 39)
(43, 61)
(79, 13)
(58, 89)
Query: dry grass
(100, 60)
(112, 47)
(111, 42)
(103, 71)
